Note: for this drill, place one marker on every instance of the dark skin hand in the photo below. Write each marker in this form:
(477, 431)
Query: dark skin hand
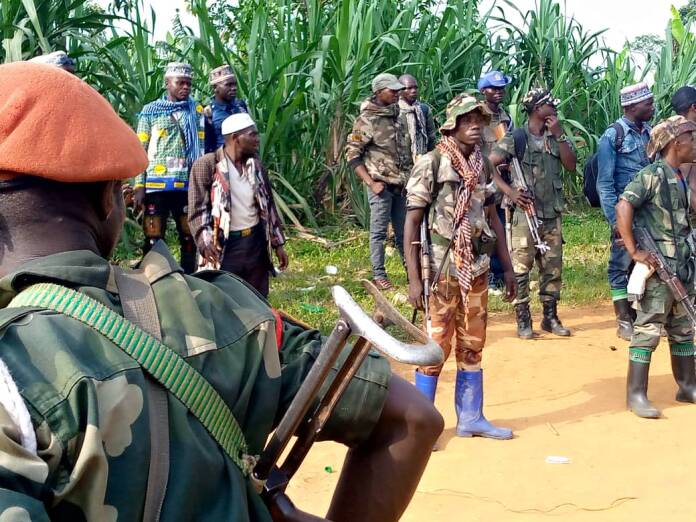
(541, 119)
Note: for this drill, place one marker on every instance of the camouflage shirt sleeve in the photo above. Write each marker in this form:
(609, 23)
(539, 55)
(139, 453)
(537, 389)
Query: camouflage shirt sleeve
(640, 189)
(22, 476)
(505, 148)
(359, 138)
(419, 189)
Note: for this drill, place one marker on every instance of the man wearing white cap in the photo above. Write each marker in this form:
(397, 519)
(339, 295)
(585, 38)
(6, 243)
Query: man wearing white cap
(231, 211)
(621, 155)
(57, 59)
(171, 130)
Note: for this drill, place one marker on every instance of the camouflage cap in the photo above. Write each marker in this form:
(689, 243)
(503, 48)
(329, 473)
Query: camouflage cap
(463, 104)
(538, 96)
(666, 131)
(386, 81)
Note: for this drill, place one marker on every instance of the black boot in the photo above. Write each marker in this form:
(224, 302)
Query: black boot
(524, 321)
(684, 371)
(637, 391)
(624, 319)
(551, 322)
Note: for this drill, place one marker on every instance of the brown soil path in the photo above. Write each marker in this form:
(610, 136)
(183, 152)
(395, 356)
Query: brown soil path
(562, 397)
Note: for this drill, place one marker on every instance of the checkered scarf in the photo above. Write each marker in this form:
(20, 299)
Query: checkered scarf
(469, 170)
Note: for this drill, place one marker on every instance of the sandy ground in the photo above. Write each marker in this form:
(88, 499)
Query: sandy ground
(563, 397)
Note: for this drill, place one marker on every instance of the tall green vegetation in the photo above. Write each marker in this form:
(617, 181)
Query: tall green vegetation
(305, 66)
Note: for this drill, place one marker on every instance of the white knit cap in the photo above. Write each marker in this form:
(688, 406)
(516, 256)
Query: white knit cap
(236, 123)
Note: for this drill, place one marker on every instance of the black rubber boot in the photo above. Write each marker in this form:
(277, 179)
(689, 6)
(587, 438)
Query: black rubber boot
(524, 321)
(637, 391)
(624, 319)
(551, 322)
(684, 371)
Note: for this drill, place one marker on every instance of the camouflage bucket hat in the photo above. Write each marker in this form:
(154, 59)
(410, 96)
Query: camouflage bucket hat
(666, 131)
(463, 104)
(538, 96)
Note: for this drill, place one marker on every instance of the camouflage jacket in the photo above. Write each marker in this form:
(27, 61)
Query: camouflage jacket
(380, 141)
(646, 193)
(434, 184)
(489, 136)
(89, 401)
(541, 166)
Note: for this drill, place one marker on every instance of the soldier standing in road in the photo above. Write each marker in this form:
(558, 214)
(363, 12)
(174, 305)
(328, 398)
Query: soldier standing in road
(379, 151)
(449, 186)
(657, 200)
(546, 149)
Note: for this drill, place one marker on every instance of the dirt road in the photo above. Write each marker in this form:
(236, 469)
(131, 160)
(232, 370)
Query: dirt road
(562, 397)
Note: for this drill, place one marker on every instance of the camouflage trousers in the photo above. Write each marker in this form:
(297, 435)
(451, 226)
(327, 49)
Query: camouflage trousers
(524, 254)
(453, 323)
(656, 308)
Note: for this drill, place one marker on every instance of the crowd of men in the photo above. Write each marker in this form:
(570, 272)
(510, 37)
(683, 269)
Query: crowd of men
(92, 422)
(645, 177)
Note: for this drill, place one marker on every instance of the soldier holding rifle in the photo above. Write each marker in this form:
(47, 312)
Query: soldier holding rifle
(541, 148)
(448, 185)
(651, 216)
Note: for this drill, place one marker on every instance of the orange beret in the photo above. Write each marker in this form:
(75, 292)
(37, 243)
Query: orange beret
(55, 126)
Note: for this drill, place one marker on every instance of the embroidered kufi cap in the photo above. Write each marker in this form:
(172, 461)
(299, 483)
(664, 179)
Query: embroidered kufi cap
(220, 74)
(178, 70)
(635, 94)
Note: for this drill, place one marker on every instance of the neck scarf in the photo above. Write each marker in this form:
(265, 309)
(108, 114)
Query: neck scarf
(469, 170)
(415, 120)
(188, 122)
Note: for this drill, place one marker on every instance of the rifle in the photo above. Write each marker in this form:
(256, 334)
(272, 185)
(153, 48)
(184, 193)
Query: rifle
(665, 273)
(533, 221)
(425, 271)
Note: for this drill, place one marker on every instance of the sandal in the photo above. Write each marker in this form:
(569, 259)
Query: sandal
(382, 283)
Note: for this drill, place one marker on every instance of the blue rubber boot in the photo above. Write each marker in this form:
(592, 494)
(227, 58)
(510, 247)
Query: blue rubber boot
(427, 385)
(468, 403)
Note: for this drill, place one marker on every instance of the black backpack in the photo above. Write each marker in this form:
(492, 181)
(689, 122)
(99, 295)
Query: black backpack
(589, 173)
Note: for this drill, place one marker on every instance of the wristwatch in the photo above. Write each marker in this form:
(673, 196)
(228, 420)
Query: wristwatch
(563, 138)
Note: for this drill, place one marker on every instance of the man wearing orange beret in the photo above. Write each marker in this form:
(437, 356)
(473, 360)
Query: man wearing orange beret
(144, 394)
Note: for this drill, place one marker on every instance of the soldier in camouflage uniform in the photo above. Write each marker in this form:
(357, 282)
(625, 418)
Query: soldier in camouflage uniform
(657, 199)
(492, 85)
(85, 432)
(546, 150)
(379, 150)
(450, 185)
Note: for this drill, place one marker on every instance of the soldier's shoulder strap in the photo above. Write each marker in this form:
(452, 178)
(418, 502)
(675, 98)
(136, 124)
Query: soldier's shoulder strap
(166, 366)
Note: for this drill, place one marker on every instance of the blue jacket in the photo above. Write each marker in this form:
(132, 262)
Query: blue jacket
(617, 168)
(213, 126)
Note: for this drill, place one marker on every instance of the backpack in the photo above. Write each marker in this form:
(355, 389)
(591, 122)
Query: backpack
(591, 170)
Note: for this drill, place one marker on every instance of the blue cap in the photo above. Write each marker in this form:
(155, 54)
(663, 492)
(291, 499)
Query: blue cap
(493, 79)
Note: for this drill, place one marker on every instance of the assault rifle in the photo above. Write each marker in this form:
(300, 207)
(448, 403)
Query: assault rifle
(665, 273)
(529, 212)
(425, 271)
